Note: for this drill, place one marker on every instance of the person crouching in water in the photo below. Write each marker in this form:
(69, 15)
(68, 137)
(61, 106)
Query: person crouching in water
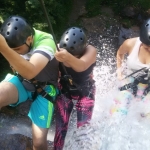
(76, 82)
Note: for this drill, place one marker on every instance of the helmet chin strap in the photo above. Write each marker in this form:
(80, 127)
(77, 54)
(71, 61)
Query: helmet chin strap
(29, 46)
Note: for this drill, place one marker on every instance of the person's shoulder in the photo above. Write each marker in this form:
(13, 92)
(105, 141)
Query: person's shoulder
(130, 42)
(89, 46)
(90, 49)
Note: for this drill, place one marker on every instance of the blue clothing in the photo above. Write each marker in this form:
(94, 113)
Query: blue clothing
(41, 109)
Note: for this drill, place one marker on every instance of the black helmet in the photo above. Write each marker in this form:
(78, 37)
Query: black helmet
(74, 41)
(16, 30)
(145, 32)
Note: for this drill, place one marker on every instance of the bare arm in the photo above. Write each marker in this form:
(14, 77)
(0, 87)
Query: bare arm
(125, 48)
(28, 69)
(77, 64)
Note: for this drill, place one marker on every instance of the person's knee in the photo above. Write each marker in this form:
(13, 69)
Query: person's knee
(39, 136)
(39, 145)
(8, 94)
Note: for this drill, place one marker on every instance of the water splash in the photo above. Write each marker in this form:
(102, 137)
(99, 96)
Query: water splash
(88, 137)
(117, 131)
(106, 131)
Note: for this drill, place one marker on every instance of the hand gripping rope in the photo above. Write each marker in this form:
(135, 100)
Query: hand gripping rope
(70, 85)
(144, 78)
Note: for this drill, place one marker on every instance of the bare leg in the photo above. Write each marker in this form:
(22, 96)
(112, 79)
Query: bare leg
(39, 136)
(8, 94)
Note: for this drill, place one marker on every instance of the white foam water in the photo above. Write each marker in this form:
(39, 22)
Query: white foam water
(111, 132)
(108, 131)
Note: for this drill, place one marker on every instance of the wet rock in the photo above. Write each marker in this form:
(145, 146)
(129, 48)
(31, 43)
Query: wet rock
(129, 12)
(18, 142)
(21, 109)
(15, 125)
(125, 33)
(148, 12)
(78, 10)
(15, 142)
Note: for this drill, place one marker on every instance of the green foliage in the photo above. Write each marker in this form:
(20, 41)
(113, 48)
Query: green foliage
(118, 5)
(93, 7)
(32, 10)
(56, 11)
(127, 22)
(143, 5)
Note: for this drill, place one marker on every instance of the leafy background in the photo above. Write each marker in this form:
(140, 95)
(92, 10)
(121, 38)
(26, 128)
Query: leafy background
(59, 12)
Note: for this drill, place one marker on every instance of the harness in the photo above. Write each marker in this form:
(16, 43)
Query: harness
(40, 91)
(144, 79)
(39, 88)
(74, 91)
(69, 87)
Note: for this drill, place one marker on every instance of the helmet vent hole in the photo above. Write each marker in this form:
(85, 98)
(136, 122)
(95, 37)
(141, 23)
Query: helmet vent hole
(8, 24)
(80, 30)
(16, 19)
(81, 39)
(147, 25)
(74, 34)
(8, 33)
(74, 42)
(16, 28)
(67, 32)
(64, 45)
(67, 39)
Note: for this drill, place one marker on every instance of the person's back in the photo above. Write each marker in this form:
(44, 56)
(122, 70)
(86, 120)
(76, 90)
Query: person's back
(40, 45)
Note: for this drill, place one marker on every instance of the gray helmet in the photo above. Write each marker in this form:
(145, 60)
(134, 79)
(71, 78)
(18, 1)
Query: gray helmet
(145, 32)
(74, 41)
(15, 30)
